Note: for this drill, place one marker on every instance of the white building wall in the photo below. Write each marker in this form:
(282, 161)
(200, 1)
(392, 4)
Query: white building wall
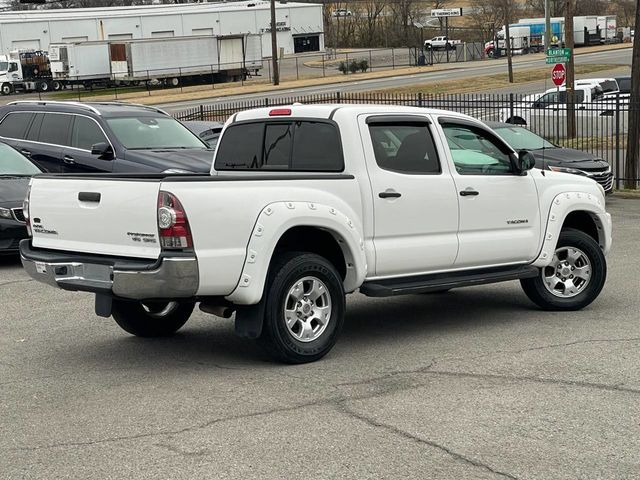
(54, 26)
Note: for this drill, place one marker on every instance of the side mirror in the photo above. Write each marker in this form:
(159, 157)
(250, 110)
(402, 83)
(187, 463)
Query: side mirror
(102, 150)
(524, 161)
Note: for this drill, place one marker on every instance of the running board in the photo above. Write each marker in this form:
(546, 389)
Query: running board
(442, 281)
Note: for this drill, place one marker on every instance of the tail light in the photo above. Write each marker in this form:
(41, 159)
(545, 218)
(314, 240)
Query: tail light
(173, 226)
(25, 210)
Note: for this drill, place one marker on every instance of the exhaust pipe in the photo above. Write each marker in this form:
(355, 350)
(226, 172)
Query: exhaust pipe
(224, 311)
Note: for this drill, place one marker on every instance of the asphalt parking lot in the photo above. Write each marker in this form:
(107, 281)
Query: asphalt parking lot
(475, 383)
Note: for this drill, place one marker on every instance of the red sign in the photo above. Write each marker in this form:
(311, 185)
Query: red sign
(558, 74)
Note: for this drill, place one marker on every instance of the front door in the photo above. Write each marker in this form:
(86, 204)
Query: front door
(414, 197)
(499, 212)
(85, 132)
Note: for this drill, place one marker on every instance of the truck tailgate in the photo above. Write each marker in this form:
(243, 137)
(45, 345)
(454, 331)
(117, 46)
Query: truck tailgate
(90, 215)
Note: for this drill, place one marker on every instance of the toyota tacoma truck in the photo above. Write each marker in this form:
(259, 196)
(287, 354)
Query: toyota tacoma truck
(307, 203)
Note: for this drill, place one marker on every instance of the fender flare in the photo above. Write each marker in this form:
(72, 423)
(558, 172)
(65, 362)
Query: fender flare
(273, 222)
(562, 205)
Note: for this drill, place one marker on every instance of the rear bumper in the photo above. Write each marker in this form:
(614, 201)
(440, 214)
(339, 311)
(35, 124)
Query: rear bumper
(168, 277)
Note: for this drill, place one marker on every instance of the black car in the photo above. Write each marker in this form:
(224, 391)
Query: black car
(209, 132)
(552, 157)
(73, 137)
(15, 172)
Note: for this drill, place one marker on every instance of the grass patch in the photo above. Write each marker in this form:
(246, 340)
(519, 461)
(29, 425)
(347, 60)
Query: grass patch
(496, 81)
(604, 142)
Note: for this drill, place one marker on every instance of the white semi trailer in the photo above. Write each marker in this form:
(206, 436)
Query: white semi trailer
(172, 60)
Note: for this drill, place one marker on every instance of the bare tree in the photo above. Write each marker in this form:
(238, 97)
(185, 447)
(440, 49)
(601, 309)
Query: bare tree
(626, 12)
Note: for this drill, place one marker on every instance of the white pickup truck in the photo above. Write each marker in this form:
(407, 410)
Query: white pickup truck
(305, 204)
(441, 43)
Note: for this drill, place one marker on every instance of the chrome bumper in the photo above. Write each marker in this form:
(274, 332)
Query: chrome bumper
(167, 277)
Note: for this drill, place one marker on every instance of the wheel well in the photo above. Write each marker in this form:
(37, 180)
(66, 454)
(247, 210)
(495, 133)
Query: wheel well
(314, 240)
(585, 222)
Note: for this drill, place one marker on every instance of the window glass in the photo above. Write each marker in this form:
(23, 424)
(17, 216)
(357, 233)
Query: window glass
(475, 151)
(15, 125)
(519, 138)
(86, 133)
(316, 146)
(609, 86)
(240, 148)
(144, 133)
(14, 163)
(406, 148)
(34, 130)
(55, 129)
(277, 146)
(267, 145)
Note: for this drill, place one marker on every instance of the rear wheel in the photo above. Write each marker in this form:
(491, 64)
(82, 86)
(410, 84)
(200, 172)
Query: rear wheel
(304, 311)
(174, 82)
(56, 85)
(151, 319)
(575, 276)
(43, 86)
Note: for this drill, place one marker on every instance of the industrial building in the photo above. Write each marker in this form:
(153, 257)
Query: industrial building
(299, 25)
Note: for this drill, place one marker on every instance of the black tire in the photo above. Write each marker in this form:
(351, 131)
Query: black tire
(276, 338)
(6, 89)
(56, 86)
(43, 86)
(148, 320)
(538, 293)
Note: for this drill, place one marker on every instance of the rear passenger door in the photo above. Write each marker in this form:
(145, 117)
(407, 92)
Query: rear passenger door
(48, 134)
(14, 129)
(414, 196)
(77, 157)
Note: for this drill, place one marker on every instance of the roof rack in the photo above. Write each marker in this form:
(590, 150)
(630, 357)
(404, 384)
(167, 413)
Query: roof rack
(130, 104)
(53, 102)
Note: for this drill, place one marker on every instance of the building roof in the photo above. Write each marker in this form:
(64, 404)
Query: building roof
(145, 10)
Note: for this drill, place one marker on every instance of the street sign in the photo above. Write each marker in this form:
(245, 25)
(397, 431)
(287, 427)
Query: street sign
(558, 55)
(554, 60)
(558, 75)
(446, 12)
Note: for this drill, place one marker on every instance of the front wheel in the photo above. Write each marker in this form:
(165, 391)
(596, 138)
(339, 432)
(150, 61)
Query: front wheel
(575, 276)
(304, 311)
(6, 89)
(151, 319)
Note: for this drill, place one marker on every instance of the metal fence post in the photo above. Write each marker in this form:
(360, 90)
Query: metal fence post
(420, 99)
(297, 72)
(323, 64)
(370, 62)
(511, 105)
(338, 97)
(618, 166)
(393, 60)
(266, 102)
(180, 80)
(201, 112)
(346, 62)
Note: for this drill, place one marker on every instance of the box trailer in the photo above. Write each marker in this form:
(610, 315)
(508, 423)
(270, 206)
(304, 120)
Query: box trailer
(586, 29)
(176, 60)
(85, 63)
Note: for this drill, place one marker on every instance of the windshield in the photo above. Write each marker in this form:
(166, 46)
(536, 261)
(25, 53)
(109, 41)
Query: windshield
(13, 163)
(142, 133)
(609, 86)
(4, 66)
(519, 138)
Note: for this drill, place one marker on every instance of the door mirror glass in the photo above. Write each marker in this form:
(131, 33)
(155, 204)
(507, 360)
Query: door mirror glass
(524, 161)
(102, 150)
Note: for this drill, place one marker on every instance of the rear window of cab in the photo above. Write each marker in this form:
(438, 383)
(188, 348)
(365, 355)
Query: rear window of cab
(282, 145)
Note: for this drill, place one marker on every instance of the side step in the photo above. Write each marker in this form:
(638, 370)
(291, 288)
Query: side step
(440, 281)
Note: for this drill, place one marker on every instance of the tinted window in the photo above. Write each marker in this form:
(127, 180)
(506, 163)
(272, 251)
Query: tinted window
(268, 145)
(55, 129)
(475, 151)
(624, 84)
(15, 125)
(316, 146)
(406, 148)
(241, 147)
(277, 146)
(34, 130)
(86, 133)
(609, 86)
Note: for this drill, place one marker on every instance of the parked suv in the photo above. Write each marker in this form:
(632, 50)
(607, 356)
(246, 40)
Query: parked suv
(75, 137)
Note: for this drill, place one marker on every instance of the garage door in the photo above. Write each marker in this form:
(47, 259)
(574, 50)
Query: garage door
(25, 45)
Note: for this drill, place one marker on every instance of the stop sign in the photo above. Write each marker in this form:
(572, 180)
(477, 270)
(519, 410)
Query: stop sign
(558, 74)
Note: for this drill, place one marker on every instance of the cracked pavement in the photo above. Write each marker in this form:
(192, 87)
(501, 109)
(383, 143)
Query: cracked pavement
(474, 383)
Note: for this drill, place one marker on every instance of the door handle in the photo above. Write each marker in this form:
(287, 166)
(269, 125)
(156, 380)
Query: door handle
(25, 152)
(68, 160)
(389, 194)
(469, 193)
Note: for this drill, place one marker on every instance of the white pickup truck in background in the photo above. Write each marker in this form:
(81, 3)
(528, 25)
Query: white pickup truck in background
(305, 204)
(441, 43)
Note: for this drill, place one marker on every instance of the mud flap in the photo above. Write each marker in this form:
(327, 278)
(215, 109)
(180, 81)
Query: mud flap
(249, 320)
(103, 305)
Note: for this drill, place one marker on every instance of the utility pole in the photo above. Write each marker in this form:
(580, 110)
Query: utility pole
(547, 25)
(507, 38)
(633, 135)
(568, 42)
(274, 44)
